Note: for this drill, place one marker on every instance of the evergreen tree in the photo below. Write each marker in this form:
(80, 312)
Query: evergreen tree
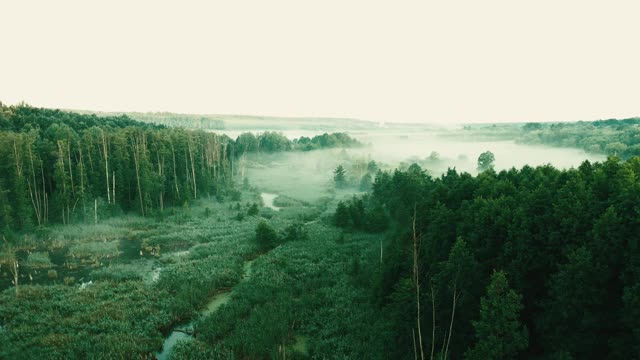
(499, 333)
(342, 217)
(366, 182)
(339, 176)
(253, 210)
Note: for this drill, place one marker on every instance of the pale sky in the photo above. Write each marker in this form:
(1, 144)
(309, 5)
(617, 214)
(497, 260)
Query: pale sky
(394, 61)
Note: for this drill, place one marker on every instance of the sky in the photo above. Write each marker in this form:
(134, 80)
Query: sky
(391, 61)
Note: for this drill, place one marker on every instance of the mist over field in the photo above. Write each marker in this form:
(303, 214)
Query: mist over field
(309, 175)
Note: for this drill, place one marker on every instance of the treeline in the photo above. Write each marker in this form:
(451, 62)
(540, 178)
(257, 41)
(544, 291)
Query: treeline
(64, 167)
(612, 137)
(271, 141)
(535, 263)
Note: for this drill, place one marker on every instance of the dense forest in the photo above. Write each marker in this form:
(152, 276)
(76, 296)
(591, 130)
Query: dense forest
(67, 167)
(533, 263)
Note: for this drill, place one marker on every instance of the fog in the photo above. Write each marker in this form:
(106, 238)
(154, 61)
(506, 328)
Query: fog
(308, 175)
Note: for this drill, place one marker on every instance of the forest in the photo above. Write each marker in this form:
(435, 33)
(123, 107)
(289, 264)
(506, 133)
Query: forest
(532, 263)
(66, 167)
(125, 239)
(612, 137)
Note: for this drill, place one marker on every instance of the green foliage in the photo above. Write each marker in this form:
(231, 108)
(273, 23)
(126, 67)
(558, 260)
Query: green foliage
(612, 137)
(372, 167)
(63, 167)
(326, 141)
(294, 232)
(270, 141)
(342, 215)
(89, 323)
(339, 177)
(198, 350)
(299, 301)
(362, 214)
(366, 182)
(485, 161)
(253, 210)
(266, 236)
(38, 260)
(95, 250)
(565, 237)
(499, 331)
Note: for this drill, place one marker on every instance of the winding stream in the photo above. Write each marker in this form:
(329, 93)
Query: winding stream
(185, 331)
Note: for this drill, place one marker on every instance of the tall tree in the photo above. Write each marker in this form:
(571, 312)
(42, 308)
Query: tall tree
(499, 333)
(339, 177)
(485, 161)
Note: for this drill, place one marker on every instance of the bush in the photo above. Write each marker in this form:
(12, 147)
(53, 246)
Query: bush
(266, 236)
(38, 260)
(253, 210)
(52, 274)
(95, 250)
(295, 232)
(236, 195)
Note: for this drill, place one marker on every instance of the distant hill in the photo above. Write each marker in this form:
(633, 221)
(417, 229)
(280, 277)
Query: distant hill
(242, 122)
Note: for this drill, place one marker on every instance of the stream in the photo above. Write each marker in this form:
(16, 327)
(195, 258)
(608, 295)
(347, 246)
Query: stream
(185, 331)
(268, 201)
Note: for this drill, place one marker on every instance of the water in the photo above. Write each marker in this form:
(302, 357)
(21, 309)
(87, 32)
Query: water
(170, 342)
(212, 306)
(268, 201)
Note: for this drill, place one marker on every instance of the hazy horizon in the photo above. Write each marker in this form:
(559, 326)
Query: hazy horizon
(488, 62)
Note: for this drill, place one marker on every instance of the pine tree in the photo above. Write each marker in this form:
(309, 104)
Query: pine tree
(342, 215)
(499, 333)
(340, 177)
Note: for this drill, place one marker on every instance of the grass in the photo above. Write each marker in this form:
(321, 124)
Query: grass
(38, 260)
(95, 250)
(135, 299)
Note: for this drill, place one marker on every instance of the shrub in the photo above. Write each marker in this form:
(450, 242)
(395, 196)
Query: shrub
(253, 210)
(95, 250)
(295, 232)
(38, 260)
(52, 274)
(266, 236)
